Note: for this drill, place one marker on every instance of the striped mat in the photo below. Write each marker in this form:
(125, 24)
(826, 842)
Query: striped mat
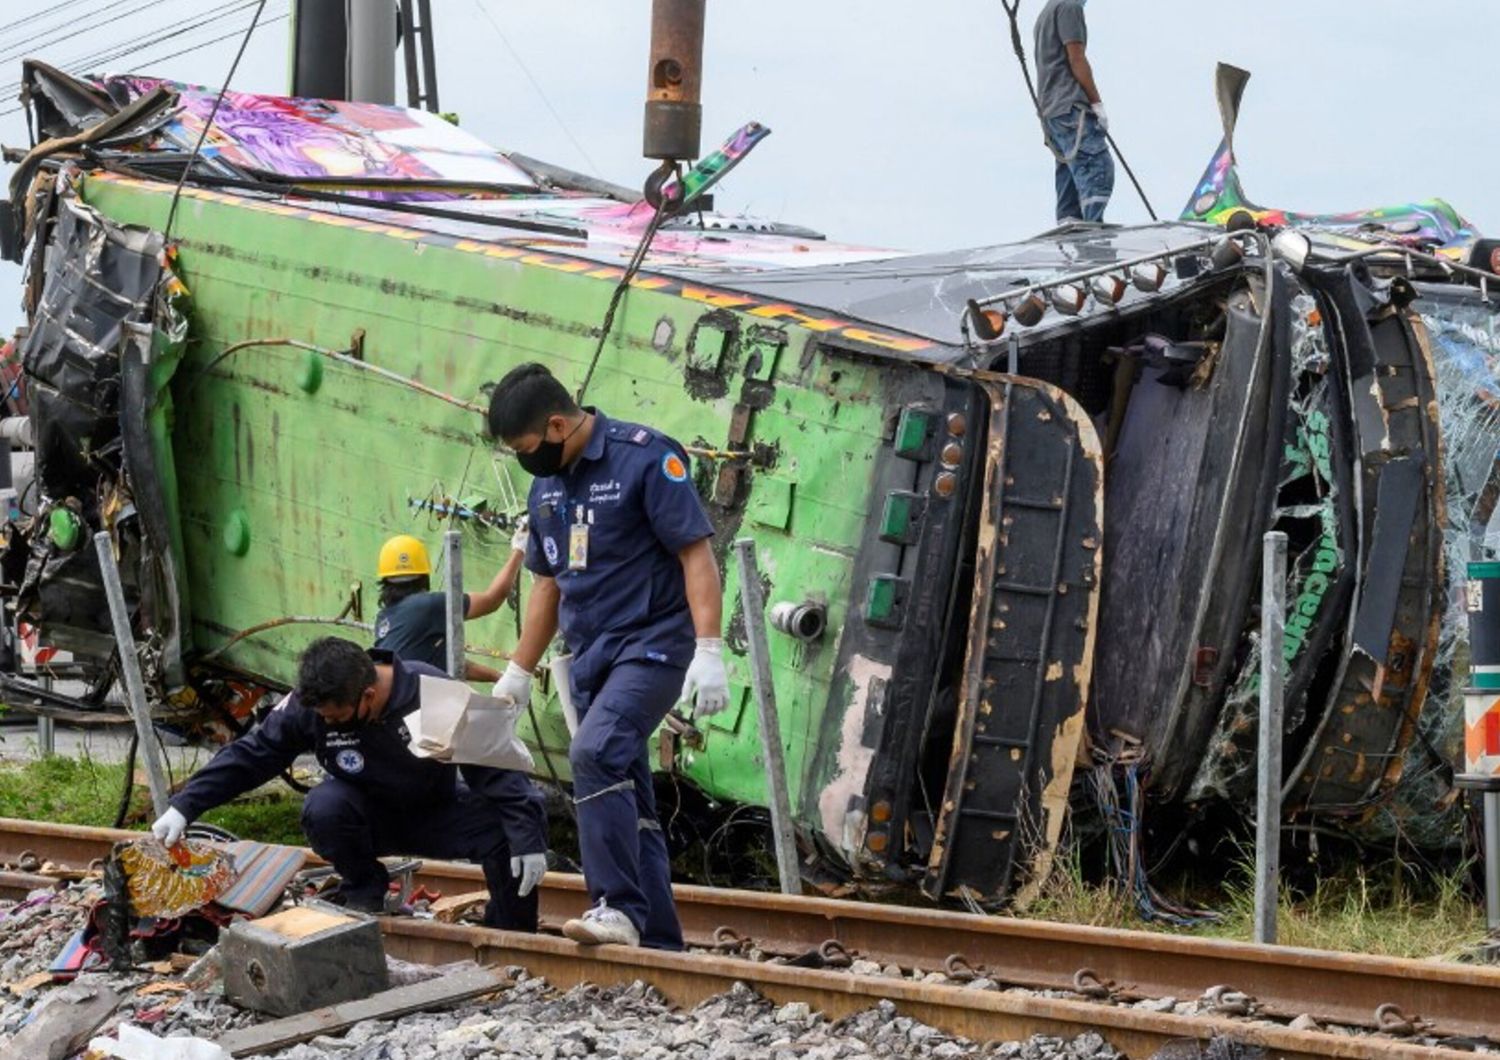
(264, 870)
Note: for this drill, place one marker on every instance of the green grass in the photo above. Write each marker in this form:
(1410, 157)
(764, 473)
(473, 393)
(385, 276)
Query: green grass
(1391, 909)
(85, 791)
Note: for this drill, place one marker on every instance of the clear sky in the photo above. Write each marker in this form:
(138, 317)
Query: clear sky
(906, 124)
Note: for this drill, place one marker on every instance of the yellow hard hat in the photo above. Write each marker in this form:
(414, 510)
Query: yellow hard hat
(403, 556)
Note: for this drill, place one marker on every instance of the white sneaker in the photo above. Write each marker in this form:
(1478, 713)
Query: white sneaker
(600, 925)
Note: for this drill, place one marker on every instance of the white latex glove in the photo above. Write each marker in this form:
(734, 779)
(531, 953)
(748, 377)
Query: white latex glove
(706, 684)
(529, 868)
(522, 535)
(1103, 119)
(169, 826)
(514, 684)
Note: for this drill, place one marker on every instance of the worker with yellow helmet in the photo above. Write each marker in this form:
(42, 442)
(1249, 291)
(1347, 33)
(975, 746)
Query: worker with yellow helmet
(412, 621)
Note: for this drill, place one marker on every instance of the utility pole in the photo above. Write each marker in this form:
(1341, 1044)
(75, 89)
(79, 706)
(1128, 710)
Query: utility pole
(344, 49)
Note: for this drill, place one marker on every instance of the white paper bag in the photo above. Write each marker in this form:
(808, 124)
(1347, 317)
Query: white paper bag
(456, 724)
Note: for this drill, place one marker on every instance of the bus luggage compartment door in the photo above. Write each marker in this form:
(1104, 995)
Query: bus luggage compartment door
(1029, 655)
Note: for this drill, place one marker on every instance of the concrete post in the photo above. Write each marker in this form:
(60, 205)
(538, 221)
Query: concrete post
(1268, 773)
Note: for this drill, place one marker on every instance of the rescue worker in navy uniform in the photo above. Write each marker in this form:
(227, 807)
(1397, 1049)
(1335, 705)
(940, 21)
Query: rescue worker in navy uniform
(380, 798)
(620, 550)
(413, 620)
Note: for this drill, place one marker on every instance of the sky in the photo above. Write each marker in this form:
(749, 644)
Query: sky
(903, 124)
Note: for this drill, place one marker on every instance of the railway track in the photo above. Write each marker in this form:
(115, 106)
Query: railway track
(1100, 970)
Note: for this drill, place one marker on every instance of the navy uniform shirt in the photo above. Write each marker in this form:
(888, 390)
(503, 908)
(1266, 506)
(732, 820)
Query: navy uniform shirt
(630, 487)
(415, 628)
(373, 757)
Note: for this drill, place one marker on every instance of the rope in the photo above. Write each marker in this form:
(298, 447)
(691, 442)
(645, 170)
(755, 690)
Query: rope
(619, 292)
(1013, 12)
(212, 114)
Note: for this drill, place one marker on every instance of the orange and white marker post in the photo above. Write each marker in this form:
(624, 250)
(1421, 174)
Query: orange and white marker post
(1481, 772)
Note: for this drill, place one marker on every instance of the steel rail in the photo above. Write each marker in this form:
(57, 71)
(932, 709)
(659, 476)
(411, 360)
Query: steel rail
(979, 1015)
(1455, 1000)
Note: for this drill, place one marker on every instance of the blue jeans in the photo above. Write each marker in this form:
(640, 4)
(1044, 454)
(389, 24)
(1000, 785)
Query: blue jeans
(625, 858)
(1085, 172)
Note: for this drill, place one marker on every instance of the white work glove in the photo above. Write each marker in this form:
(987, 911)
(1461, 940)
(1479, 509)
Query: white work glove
(169, 826)
(514, 684)
(706, 684)
(529, 869)
(522, 535)
(1100, 116)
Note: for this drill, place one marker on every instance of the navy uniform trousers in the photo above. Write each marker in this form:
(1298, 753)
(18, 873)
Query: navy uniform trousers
(348, 828)
(624, 852)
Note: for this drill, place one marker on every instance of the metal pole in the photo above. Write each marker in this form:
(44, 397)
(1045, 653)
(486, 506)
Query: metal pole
(754, 599)
(130, 668)
(409, 54)
(453, 561)
(46, 736)
(1492, 859)
(429, 57)
(1268, 773)
(372, 51)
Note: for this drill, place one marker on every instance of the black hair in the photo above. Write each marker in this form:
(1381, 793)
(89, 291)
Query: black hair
(333, 671)
(524, 399)
(394, 590)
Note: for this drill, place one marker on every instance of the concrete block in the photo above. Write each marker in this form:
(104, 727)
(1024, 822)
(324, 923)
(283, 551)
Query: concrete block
(302, 958)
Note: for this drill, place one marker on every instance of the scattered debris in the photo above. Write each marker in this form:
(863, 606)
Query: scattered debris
(471, 982)
(63, 1022)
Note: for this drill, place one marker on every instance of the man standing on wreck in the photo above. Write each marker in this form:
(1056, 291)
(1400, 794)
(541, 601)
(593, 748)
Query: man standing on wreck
(1071, 110)
(620, 550)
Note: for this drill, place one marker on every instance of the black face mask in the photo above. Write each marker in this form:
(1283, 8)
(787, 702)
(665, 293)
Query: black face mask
(547, 458)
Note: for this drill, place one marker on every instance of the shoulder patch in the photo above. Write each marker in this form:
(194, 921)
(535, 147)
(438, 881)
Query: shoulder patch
(673, 468)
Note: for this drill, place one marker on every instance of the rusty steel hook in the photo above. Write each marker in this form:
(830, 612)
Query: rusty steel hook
(728, 940)
(1086, 982)
(834, 954)
(1391, 1020)
(957, 967)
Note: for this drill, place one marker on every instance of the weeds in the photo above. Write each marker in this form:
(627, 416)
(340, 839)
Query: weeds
(1390, 909)
(87, 792)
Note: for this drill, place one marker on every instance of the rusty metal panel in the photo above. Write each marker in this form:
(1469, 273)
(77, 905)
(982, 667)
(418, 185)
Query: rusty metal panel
(1029, 657)
(1355, 756)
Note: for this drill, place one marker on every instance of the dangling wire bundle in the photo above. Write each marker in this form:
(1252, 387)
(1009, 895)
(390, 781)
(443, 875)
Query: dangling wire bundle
(1126, 856)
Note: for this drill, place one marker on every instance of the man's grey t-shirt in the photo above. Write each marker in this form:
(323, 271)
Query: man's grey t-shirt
(1060, 24)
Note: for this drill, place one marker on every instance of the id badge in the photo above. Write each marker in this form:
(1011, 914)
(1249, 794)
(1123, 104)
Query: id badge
(578, 546)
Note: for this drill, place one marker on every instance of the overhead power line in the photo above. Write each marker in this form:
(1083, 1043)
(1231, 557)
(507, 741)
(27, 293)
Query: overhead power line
(57, 9)
(36, 43)
(538, 86)
(82, 66)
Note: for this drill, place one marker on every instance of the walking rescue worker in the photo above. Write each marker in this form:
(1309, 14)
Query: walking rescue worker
(413, 620)
(620, 549)
(379, 798)
(1073, 113)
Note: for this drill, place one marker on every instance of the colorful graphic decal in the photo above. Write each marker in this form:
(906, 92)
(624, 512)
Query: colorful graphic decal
(1431, 225)
(854, 333)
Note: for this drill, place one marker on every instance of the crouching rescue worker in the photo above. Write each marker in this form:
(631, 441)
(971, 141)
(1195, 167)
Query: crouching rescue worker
(379, 798)
(620, 549)
(413, 620)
